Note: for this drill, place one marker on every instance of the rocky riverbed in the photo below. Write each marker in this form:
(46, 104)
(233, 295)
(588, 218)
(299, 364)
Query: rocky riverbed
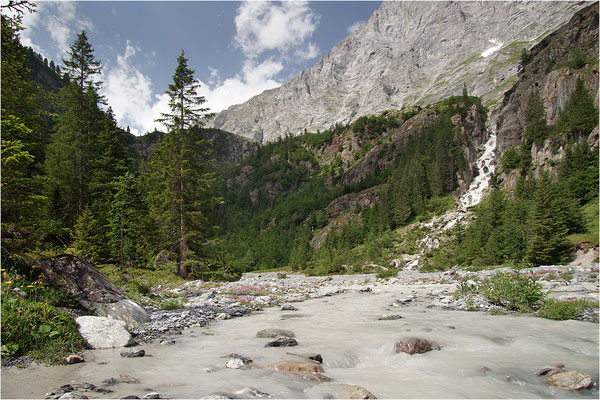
(353, 323)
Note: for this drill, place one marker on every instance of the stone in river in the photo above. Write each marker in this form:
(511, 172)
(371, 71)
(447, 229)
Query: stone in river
(549, 371)
(288, 307)
(128, 379)
(389, 317)
(236, 363)
(314, 377)
(570, 380)
(74, 359)
(359, 392)
(274, 332)
(414, 345)
(293, 366)
(282, 341)
(152, 395)
(133, 353)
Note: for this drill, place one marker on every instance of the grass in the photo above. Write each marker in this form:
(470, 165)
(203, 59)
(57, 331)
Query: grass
(561, 310)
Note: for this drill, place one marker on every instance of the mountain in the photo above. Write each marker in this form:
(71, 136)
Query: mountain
(407, 53)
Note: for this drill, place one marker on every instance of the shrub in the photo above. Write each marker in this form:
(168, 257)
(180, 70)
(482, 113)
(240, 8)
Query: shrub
(513, 290)
(389, 273)
(172, 304)
(561, 310)
(511, 159)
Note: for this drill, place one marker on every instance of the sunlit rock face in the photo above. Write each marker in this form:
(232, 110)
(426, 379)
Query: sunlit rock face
(406, 53)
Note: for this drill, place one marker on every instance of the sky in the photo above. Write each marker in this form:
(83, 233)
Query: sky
(237, 49)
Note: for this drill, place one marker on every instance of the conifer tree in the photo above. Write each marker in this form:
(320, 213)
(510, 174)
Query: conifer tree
(181, 180)
(71, 151)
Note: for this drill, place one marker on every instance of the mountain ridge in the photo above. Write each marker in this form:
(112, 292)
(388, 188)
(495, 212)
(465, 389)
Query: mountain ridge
(407, 53)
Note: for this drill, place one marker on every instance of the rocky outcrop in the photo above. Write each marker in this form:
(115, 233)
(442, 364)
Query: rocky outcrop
(407, 53)
(550, 74)
(93, 290)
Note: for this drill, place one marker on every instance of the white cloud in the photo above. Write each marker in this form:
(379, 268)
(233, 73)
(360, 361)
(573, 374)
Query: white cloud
(306, 54)
(254, 79)
(354, 26)
(263, 26)
(60, 20)
(129, 93)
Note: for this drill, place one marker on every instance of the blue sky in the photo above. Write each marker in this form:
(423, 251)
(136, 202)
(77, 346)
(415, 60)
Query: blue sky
(237, 49)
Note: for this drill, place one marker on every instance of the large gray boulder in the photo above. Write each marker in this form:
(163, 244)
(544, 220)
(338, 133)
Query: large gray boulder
(104, 333)
(94, 290)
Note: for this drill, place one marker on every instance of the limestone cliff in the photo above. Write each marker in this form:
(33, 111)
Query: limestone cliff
(407, 53)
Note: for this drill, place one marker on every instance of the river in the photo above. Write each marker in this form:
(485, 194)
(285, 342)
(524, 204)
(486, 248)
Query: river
(357, 349)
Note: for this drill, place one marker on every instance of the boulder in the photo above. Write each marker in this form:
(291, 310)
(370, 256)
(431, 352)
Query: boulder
(570, 380)
(414, 345)
(94, 290)
(288, 307)
(104, 333)
(294, 366)
(274, 332)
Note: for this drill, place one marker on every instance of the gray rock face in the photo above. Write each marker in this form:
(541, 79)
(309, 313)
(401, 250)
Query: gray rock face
(104, 333)
(407, 53)
(94, 290)
(554, 83)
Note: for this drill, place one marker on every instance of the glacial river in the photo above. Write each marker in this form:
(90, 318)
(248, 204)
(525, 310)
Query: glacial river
(357, 349)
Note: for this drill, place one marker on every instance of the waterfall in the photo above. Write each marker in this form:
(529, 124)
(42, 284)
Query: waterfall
(474, 194)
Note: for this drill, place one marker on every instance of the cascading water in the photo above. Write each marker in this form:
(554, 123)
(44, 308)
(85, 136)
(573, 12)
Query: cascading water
(481, 182)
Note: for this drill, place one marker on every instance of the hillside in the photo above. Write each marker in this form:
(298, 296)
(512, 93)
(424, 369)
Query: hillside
(374, 191)
(408, 53)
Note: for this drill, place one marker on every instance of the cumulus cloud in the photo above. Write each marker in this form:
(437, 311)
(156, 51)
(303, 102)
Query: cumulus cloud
(308, 53)
(253, 79)
(263, 26)
(129, 92)
(60, 20)
(354, 26)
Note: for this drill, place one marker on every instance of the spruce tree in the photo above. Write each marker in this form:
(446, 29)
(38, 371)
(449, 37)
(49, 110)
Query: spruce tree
(181, 180)
(71, 151)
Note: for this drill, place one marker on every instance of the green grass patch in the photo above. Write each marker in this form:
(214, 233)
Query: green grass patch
(561, 310)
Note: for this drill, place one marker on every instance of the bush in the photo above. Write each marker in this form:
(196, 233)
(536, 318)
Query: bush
(389, 273)
(513, 290)
(172, 304)
(561, 310)
(511, 159)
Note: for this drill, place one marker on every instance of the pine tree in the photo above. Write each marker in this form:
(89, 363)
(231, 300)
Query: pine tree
(536, 128)
(125, 223)
(23, 128)
(580, 115)
(548, 242)
(181, 180)
(71, 151)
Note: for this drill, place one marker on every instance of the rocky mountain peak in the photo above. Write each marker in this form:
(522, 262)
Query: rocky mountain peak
(407, 53)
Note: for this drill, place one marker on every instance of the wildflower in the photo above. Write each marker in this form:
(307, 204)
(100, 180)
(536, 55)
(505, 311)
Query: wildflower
(29, 285)
(8, 282)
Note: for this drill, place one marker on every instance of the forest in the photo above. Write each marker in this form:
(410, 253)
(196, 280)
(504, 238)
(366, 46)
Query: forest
(71, 182)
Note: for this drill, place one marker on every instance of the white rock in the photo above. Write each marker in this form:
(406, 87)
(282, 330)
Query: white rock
(125, 310)
(235, 363)
(104, 333)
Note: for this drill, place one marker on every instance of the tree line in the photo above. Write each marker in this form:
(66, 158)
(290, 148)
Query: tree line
(69, 181)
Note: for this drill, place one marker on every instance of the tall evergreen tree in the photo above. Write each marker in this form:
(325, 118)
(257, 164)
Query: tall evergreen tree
(180, 177)
(71, 151)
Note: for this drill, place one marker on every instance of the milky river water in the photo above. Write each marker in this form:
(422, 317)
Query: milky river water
(357, 349)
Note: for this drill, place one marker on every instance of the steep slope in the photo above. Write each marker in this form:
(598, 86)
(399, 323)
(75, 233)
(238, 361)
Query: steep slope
(407, 53)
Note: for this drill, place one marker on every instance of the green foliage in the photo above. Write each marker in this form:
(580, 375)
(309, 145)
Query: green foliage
(512, 290)
(511, 159)
(180, 181)
(580, 114)
(561, 310)
(172, 304)
(536, 129)
(316, 140)
(32, 325)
